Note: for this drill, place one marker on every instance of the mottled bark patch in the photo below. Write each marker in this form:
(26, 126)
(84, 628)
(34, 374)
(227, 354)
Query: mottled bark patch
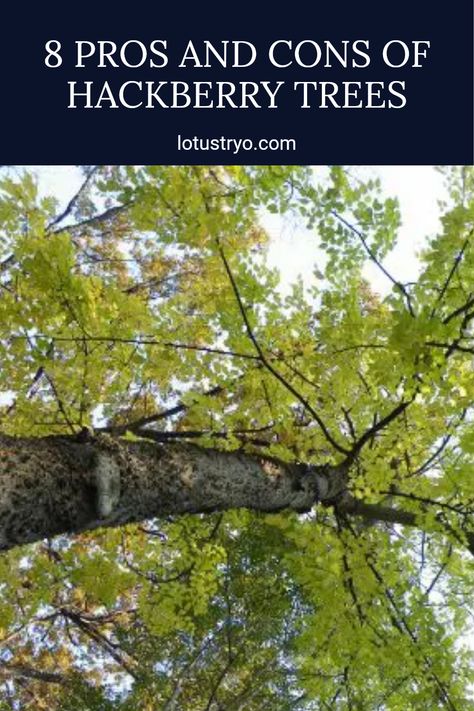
(65, 484)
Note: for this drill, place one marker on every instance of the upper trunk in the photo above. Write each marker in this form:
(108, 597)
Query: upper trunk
(59, 485)
(64, 485)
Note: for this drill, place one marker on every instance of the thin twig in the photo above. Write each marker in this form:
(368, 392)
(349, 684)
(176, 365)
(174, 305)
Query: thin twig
(375, 260)
(452, 272)
(73, 201)
(269, 366)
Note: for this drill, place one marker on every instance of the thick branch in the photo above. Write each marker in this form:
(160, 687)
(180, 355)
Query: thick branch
(24, 671)
(378, 513)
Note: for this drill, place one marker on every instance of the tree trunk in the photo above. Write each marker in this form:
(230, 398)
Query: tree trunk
(65, 485)
(56, 485)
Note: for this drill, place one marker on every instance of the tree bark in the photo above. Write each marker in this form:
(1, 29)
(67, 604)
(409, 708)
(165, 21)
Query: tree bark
(65, 485)
(56, 485)
(378, 513)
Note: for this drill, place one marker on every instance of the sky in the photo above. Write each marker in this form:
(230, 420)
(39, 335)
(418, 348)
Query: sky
(293, 250)
(418, 188)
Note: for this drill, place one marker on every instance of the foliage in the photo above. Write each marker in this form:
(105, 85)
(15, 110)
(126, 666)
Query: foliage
(146, 308)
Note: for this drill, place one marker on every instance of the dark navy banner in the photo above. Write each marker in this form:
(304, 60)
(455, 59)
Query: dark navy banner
(312, 83)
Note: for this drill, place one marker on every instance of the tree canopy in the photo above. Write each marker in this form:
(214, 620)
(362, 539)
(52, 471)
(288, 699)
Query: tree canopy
(144, 321)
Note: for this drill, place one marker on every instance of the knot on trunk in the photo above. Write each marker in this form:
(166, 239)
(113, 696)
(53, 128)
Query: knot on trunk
(316, 484)
(329, 483)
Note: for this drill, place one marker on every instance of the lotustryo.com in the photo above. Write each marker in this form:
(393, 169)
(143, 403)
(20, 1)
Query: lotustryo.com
(235, 145)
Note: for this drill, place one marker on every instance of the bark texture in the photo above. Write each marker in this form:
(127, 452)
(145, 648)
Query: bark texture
(60, 485)
(65, 485)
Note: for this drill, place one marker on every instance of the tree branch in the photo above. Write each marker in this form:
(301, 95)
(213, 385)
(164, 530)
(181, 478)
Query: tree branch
(73, 201)
(452, 272)
(376, 261)
(96, 219)
(270, 367)
(378, 513)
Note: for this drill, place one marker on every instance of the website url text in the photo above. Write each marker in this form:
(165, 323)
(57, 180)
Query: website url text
(235, 145)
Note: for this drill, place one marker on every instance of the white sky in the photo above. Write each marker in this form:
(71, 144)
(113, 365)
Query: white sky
(294, 251)
(418, 188)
